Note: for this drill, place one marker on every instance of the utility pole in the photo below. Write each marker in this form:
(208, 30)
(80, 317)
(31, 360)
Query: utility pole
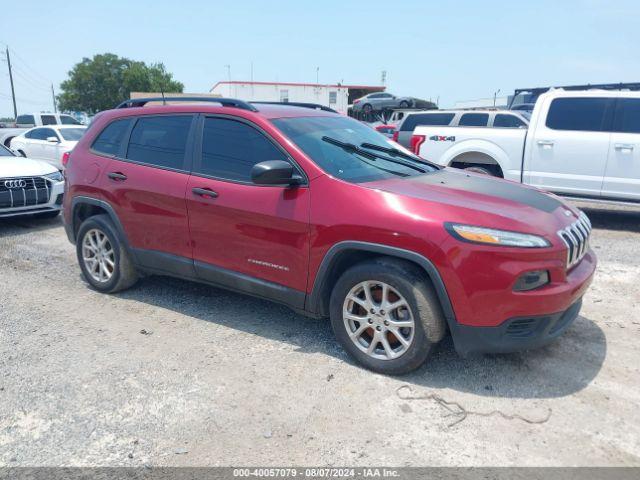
(495, 95)
(53, 95)
(317, 75)
(13, 92)
(228, 71)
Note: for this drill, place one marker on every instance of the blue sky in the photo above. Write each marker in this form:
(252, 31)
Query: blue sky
(456, 50)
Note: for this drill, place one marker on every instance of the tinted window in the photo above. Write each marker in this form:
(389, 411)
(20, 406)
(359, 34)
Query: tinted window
(26, 120)
(439, 119)
(40, 134)
(48, 119)
(583, 114)
(160, 141)
(628, 116)
(72, 134)
(68, 120)
(508, 121)
(110, 139)
(375, 95)
(230, 149)
(5, 152)
(474, 120)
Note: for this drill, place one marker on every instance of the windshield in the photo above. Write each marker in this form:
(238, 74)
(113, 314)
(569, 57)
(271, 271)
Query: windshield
(5, 152)
(72, 134)
(323, 139)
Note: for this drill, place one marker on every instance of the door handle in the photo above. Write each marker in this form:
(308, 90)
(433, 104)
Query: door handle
(120, 177)
(204, 192)
(545, 143)
(623, 146)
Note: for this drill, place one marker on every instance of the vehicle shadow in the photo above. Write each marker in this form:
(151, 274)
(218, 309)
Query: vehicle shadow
(557, 370)
(12, 226)
(610, 219)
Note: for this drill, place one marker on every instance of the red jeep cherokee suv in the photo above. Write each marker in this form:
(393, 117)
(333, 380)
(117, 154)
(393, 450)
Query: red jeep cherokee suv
(317, 211)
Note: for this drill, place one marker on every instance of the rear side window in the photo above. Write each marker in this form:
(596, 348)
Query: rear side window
(48, 119)
(508, 121)
(436, 119)
(474, 120)
(628, 116)
(579, 114)
(40, 134)
(231, 148)
(160, 141)
(109, 142)
(26, 120)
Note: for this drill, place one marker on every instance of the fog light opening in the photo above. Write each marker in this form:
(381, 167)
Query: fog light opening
(531, 280)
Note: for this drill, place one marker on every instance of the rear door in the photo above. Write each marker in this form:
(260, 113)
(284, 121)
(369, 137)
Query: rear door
(568, 149)
(146, 185)
(622, 174)
(411, 121)
(252, 237)
(35, 142)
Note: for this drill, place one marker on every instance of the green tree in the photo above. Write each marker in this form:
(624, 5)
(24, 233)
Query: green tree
(101, 82)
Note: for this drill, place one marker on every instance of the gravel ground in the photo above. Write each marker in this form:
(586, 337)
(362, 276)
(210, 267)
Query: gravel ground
(176, 373)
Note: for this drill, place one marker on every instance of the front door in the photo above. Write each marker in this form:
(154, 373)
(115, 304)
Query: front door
(250, 237)
(568, 152)
(622, 175)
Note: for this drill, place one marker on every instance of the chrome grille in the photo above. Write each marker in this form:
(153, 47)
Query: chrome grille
(576, 238)
(24, 191)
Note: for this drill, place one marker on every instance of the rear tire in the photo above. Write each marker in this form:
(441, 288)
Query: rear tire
(404, 104)
(419, 320)
(104, 261)
(367, 108)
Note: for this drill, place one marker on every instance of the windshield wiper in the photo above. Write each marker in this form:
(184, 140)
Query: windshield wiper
(395, 152)
(351, 148)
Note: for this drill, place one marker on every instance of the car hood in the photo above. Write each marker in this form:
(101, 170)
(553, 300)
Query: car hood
(24, 167)
(457, 196)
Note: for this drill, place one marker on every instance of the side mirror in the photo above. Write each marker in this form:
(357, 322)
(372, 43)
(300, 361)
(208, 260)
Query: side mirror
(53, 140)
(274, 172)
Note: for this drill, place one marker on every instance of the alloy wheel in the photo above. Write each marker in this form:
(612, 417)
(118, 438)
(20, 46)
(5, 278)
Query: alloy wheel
(98, 255)
(378, 320)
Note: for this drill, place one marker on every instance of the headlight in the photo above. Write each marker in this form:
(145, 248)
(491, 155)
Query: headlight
(55, 176)
(489, 236)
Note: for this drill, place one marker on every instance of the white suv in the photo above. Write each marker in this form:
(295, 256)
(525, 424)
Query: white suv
(29, 187)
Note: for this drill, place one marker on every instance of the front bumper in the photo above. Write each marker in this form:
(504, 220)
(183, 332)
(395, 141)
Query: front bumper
(515, 334)
(23, 207)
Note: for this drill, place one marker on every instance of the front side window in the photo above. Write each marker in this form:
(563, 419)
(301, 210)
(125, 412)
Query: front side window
(318, 138)
(628, 116)
(508, 121)
(109, 142)
(40, 134)
(474, 120)
(231, 148)
(579, 114)
(160, 141)
(68, 120)
(48, 119)
(72, 134)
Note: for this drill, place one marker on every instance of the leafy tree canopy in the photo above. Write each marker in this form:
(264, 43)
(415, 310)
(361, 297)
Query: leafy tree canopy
(102, 82)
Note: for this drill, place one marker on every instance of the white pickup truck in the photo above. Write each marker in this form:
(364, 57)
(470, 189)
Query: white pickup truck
(581, 144)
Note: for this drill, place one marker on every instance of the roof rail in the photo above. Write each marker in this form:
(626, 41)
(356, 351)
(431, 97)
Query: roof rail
(225, 102)
(315, 106)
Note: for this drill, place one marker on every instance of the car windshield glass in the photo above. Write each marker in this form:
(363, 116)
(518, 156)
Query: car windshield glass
(341, 146)
(5, 152)
(72, 134)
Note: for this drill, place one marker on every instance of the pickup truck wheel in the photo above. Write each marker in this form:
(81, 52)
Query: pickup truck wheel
(103, 258)
(386, 315)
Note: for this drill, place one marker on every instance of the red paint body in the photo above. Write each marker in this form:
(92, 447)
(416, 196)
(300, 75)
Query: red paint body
(296, 226)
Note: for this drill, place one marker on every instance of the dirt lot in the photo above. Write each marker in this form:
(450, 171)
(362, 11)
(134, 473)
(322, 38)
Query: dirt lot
(176, 373)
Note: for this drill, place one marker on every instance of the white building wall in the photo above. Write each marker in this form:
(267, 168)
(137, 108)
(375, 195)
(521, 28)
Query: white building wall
(320, 94)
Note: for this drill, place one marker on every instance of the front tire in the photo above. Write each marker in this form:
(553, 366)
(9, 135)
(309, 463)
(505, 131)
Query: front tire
(404, 104)
(386, 315)
(104, 261)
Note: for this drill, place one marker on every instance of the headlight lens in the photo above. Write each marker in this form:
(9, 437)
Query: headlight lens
(490, 236)
(55, 176)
